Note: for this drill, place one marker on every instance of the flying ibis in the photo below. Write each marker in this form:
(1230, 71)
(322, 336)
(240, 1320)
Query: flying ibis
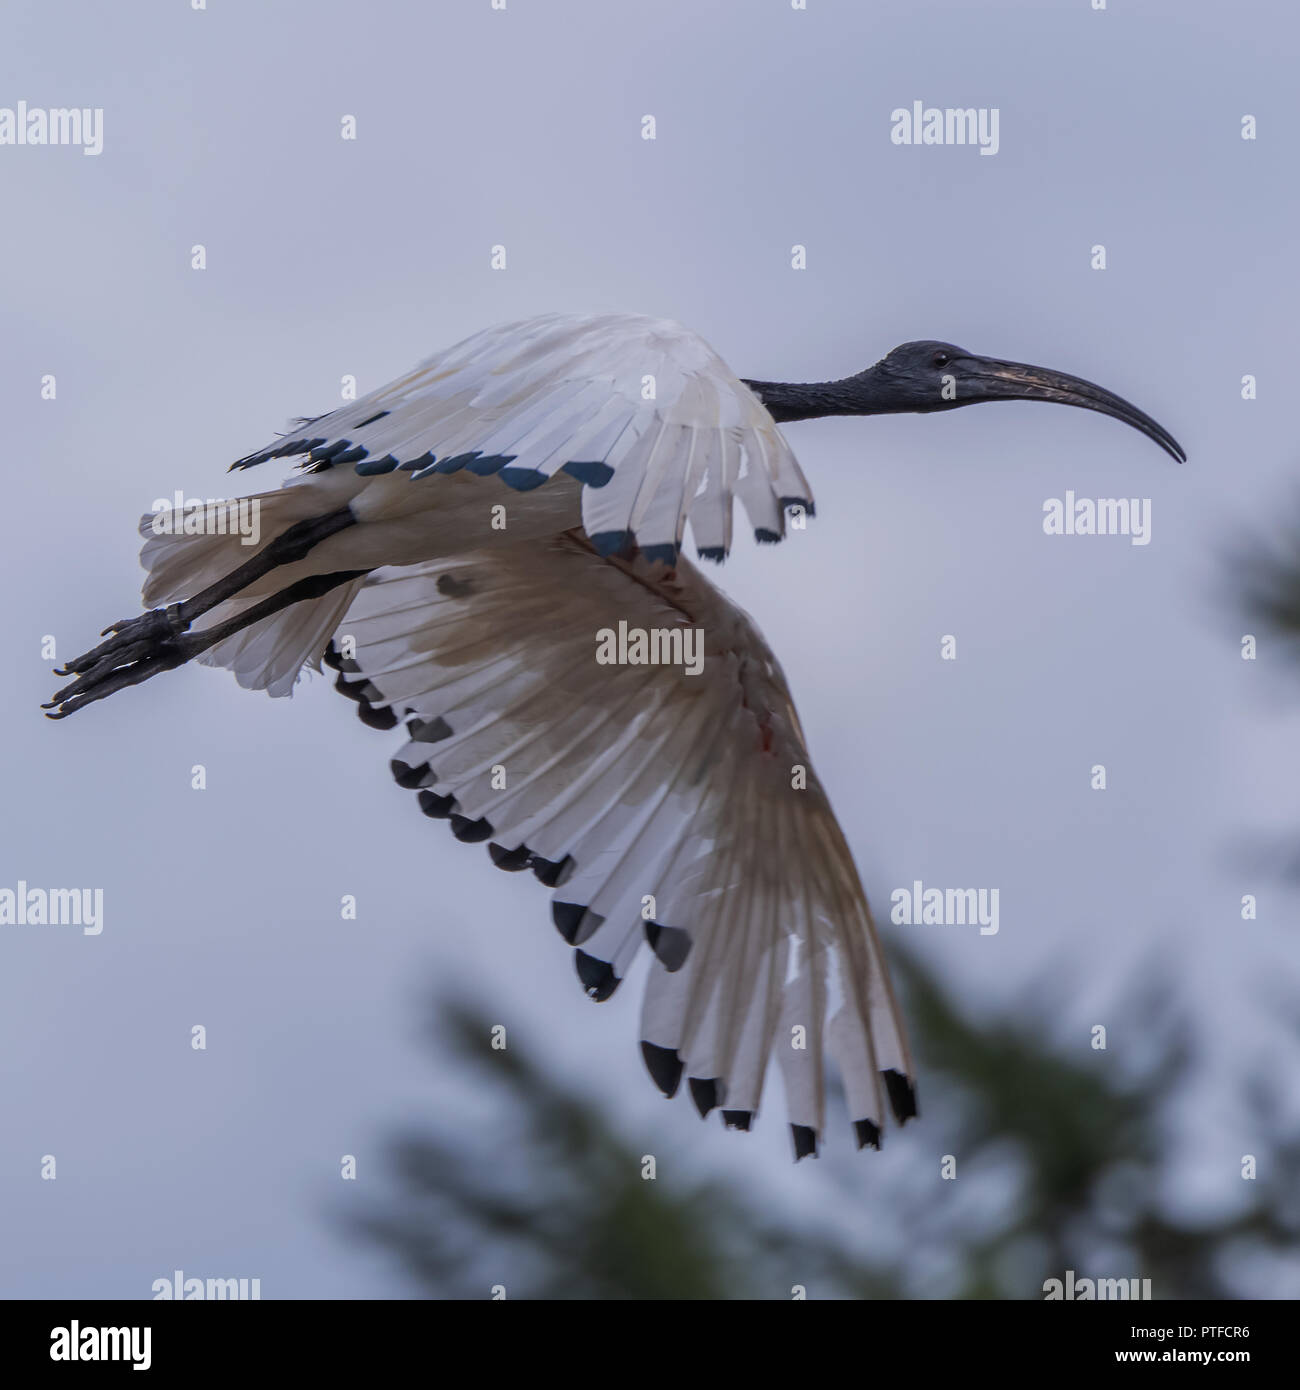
(460, 544)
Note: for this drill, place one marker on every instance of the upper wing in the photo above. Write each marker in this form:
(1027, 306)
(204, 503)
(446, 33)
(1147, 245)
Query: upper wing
(662, 806)
(640, 410)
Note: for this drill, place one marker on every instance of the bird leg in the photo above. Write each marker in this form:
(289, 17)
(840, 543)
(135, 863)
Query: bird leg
(140, 660)
(158, 641)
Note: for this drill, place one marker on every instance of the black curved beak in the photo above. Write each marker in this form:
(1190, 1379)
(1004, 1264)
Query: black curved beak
(988, 379)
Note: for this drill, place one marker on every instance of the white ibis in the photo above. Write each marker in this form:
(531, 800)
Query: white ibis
(463, 544)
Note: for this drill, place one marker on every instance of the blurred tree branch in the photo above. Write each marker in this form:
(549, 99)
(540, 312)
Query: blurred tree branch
(1267, 578)
(550, 1202)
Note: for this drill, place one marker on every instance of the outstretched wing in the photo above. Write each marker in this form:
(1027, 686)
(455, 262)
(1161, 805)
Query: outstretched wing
(640, 410)
(670, 804)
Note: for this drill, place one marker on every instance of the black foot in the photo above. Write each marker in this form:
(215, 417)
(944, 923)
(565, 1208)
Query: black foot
(139, 648)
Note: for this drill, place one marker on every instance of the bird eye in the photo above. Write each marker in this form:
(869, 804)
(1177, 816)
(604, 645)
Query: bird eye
(941, 359)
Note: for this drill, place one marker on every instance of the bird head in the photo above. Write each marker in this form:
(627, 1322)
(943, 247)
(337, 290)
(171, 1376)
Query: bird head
(928, 375)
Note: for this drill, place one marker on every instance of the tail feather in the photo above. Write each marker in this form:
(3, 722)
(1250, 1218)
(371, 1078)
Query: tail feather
(269, 654)
(180, 565)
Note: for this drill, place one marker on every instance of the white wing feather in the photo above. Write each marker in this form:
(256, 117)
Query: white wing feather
(627, 783)
(640, 410)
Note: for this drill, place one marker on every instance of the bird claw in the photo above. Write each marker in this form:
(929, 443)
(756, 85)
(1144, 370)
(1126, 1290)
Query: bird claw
(139, 648)
(156, 626)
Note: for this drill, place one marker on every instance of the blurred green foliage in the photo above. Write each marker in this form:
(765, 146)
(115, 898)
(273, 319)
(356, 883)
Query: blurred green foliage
(546, 1197)
(1265, 581)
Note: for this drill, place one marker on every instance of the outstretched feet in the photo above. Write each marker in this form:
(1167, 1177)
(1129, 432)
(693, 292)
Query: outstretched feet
(160, 640)
(138, 648)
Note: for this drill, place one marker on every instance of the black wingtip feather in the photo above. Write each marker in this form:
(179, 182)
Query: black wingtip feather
(597, 976)
(354, 690)
(664, 1066)
(868, 1134)
(805, 1141)
(412, 778)
(607, 543)
(567, 918)
(902, 1095)
(429, 730)
(671, 945)
(471, 832)
(376, 716)
(523, 479)
(327, 453)
(484, 465)
(704, 1092)
(435, 806)
(553, 872)
(511, 860)
(374, 468)
(737, 1119)
(591, 472)
(665, 554)
(575, 922)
